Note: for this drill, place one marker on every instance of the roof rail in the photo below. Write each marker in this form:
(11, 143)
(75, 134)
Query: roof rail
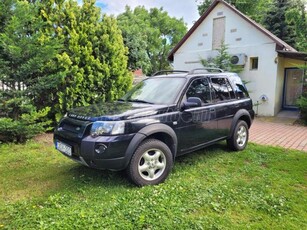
(168, 71)
(206, 70)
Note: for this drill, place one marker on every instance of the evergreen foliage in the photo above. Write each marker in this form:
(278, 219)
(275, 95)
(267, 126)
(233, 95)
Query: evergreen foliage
(253, 8)
(302, 101)
(222, 60)
(5, 13)
(297, 17)
(55, 55)
(150, 35)
(276, 22)
(26, 54)
(93, 62)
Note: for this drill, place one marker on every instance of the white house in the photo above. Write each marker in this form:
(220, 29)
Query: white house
(270, 64)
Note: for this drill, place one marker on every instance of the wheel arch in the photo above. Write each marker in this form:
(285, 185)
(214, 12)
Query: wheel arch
(240, 115)
(160, 132)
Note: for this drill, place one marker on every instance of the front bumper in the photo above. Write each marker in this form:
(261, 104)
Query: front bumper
(103, 152)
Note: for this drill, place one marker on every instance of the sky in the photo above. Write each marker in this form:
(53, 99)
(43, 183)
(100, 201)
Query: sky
(186, 9)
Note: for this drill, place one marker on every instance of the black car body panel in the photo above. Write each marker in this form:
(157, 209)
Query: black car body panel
(182, 128)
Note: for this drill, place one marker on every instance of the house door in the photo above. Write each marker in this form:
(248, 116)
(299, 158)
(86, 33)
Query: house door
(293, 87)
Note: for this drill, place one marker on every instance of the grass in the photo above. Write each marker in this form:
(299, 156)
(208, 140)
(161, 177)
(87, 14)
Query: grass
(259, 188)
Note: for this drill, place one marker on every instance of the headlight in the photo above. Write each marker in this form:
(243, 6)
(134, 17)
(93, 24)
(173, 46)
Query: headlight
(100, 128)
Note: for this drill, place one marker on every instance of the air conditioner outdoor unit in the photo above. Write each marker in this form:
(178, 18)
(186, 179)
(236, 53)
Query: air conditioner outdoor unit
(238, 59)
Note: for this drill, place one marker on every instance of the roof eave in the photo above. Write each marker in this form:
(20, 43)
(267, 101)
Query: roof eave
(293, 55)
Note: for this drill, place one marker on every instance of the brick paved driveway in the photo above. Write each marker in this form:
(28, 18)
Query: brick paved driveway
(276, 134)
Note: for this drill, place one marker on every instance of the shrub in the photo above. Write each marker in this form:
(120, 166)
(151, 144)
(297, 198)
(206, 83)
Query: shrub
(302, 101)
(27, 126)
(302, 104)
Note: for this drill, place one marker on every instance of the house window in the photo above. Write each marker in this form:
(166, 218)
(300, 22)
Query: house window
(218, 35)
(253, 63)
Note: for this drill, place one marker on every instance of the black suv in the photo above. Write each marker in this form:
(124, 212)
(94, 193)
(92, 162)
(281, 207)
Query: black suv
(161, 118)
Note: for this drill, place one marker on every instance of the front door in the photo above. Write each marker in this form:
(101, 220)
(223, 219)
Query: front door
(293, 87)
(197, 126)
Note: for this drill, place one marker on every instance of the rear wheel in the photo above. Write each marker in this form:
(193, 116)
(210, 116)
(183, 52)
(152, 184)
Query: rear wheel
(239, 138)
(151, 163)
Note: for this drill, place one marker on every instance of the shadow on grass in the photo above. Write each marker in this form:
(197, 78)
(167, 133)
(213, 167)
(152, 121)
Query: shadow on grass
(83, 175)
(208, 152)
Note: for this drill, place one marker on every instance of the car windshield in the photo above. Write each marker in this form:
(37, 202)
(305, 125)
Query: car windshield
(156, 90)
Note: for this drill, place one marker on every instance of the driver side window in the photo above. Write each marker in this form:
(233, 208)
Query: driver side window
(200, 88)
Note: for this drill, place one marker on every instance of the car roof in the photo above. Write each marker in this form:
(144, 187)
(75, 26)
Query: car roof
(192, 74)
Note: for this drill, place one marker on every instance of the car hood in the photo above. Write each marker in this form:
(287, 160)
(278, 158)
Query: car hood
(117, 111)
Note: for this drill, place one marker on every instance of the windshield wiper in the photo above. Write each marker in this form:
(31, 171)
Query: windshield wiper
(139, 101)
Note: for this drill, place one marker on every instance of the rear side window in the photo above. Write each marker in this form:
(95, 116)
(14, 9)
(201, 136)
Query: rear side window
(222, 89)
(240, 88)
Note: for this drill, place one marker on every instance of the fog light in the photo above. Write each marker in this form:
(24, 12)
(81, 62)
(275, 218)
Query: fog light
(100, 149)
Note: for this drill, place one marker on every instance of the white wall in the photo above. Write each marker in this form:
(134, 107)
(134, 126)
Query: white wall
(241, 37)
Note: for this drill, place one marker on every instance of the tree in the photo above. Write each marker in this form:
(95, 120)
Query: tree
(6, 7)
(25, 55)
(252, 8)
(56, 54)
(222, 60)
(93, 62)
(130, 23)
(297, 15)
(149, 36)
(203, 5)
(276, 22)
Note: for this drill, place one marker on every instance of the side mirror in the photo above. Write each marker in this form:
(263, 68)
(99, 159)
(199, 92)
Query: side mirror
(192, 102)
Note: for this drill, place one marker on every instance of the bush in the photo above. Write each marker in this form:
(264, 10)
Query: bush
(28, 126)
(302, 101)
(302, 104)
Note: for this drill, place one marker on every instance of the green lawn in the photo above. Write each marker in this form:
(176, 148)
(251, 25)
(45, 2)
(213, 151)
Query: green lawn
(259, 188)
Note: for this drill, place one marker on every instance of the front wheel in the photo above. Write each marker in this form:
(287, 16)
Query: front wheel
(151, 163)
(239, 137)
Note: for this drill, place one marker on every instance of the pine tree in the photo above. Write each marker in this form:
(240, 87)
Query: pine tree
(276, 22)
(25, 55)
(297, 16)
(6, 9)
(222, 60)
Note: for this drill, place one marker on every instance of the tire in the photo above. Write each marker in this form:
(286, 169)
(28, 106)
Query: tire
(151, 163)
(239, 137)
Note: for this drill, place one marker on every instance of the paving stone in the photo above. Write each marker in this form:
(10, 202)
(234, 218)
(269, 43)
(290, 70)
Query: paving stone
(276, 134)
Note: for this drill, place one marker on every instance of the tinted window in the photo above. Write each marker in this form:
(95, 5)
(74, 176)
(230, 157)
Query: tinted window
(222, 89)
(240, 88)
(200, 88)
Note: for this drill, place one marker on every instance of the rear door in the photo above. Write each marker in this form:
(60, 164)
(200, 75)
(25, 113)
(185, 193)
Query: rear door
(226, 105)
